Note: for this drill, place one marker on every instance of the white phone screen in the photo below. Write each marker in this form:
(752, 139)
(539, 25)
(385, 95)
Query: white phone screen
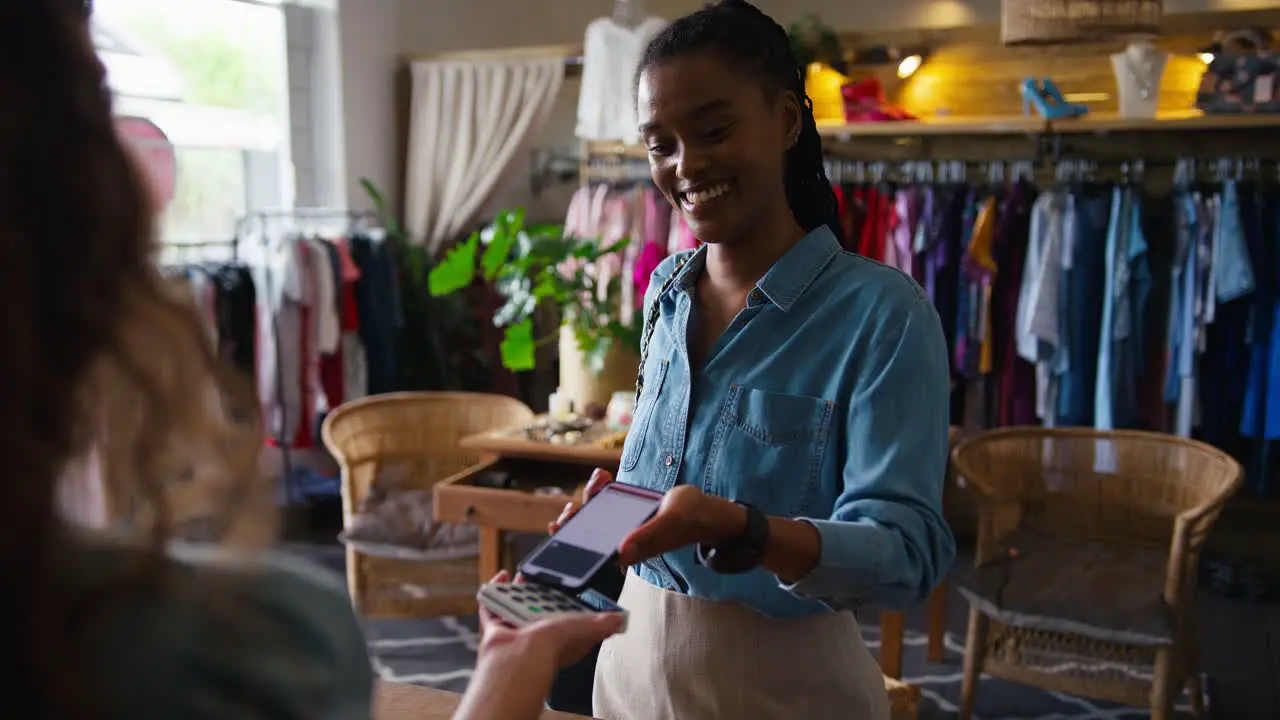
(592, 536)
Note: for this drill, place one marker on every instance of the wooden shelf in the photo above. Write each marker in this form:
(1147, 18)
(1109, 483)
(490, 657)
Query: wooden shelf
(995, 125)
(1008, 127)
(1180, 121)
(614, 149)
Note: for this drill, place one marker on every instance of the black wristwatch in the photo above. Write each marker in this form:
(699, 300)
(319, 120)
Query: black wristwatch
(739, 554)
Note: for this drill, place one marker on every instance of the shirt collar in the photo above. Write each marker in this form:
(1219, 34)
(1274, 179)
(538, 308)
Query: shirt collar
(787, 280)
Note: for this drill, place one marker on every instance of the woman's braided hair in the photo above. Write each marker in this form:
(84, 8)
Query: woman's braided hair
(755, 43)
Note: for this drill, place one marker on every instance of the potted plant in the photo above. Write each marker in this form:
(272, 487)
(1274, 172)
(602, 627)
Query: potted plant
(533, 266)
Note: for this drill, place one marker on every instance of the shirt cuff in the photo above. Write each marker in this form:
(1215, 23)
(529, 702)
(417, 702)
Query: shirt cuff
(849, 565)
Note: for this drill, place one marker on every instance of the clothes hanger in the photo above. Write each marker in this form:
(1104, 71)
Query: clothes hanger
(628, 13)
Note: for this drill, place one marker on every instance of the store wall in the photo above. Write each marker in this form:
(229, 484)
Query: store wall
(375, 34)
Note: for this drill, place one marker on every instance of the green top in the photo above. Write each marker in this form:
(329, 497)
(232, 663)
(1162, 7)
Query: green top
(227, 638)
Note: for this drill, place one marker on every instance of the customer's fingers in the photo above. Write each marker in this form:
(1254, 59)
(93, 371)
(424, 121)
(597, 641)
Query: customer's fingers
(502, 577)
(574, 635)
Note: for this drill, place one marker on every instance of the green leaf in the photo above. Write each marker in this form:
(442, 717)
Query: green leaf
(380, 207)
(456, 270)
(496, 254)
(518, 346)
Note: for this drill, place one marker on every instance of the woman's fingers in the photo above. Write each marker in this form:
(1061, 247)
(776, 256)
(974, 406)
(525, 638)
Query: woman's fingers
(599, 478)
(502, 577)
(553, 527)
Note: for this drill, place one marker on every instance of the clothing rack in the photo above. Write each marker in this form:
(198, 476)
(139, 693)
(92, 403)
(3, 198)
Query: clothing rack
(180, 249)
(615, 170)
(259, 222)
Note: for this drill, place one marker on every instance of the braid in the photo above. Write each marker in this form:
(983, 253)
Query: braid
(756, 43)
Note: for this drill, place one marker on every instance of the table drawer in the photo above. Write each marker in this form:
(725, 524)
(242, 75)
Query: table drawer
(516, 507)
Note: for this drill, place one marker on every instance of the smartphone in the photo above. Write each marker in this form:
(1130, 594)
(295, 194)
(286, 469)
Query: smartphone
(589, 540)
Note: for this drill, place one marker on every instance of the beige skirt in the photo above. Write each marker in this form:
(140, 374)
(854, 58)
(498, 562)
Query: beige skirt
(685, 658)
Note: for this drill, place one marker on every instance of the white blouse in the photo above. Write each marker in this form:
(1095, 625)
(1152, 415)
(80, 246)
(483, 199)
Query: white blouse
(610, 55)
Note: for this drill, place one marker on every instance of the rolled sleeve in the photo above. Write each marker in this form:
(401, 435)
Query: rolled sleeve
(886, 542)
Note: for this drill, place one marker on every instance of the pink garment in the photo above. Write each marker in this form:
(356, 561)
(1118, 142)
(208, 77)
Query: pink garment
(680, 238)
(906, 215)
(578, 220)
(615, 225)
(347, 267)
(657, 217)
(577, 224)
(650, 258)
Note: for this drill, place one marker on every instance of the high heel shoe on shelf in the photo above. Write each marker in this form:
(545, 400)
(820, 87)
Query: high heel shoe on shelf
(1048, 101)
(1050, 89)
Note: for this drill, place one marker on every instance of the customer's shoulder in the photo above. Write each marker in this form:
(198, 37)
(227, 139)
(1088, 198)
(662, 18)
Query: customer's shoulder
(241, 636)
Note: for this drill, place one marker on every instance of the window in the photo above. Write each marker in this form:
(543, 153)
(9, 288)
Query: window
(211, 74)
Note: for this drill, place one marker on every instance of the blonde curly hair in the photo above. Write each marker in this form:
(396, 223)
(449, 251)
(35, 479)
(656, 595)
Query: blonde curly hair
(98, 350)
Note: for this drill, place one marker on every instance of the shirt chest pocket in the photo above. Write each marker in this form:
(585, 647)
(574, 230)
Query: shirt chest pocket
(638, 435)
(768, 449)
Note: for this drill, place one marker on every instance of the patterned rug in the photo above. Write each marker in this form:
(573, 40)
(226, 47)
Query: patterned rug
(441, 653)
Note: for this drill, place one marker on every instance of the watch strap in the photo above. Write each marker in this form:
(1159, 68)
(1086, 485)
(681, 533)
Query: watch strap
(742, 553)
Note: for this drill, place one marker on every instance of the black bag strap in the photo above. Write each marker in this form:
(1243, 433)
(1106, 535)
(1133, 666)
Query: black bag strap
(651, 320)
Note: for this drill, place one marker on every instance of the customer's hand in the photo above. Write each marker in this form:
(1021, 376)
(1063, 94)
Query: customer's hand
(686, 517)
(559, 641)
(599, 478)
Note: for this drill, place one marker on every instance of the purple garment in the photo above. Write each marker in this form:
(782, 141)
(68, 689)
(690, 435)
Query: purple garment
(920, 242)
(1015, 377)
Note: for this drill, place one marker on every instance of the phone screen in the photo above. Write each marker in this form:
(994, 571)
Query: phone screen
(591, 537)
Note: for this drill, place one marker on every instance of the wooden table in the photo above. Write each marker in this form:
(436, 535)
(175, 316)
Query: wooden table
(399, 701)
(498, 512)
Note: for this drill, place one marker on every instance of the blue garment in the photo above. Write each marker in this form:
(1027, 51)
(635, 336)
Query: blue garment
(1128, 283)
(1232, 269)
(1117, 246)
(1224, 364)
(1131, 336)
(1261, 417)
(378, 306)
(1084, 290)
(824, 400)
(1186, 308)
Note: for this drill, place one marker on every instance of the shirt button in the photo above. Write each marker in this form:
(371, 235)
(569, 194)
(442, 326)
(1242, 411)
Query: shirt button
(669, 460)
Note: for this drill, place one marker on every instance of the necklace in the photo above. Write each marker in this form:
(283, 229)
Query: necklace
(1142, 77)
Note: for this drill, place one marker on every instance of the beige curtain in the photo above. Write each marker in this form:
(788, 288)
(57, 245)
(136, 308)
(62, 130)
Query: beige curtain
(469, 120)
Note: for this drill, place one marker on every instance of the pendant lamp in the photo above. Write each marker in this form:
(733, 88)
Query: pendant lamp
(1058, 22)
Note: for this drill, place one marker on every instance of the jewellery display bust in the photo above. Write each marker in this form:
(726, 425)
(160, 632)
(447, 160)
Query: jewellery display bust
(1139, 69)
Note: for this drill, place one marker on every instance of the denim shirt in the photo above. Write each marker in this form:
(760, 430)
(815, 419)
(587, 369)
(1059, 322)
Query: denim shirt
(825, 400)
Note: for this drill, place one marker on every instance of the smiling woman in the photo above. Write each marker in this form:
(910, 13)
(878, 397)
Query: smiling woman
(793, 407)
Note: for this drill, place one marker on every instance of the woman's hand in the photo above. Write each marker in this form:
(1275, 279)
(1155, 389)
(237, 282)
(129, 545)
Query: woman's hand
(599, 478)
(687, 516)
(559, 641)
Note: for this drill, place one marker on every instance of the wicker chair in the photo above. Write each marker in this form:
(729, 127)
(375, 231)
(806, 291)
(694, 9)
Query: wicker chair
(417, 433)
(1085, 576)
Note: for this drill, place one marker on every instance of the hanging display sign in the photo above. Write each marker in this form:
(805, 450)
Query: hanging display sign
(155, 156)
